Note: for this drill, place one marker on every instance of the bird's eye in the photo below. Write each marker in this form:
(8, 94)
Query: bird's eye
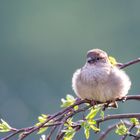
(91, 60)
(98, 58)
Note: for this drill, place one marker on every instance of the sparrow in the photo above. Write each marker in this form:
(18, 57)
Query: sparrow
(99, 80)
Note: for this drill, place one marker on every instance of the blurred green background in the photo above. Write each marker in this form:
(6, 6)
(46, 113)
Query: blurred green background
(43, 42)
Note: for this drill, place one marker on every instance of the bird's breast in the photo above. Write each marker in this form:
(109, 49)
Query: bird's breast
(94, 75)
(91, 83)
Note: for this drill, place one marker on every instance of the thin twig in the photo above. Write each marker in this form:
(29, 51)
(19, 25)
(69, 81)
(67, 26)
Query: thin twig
(51, 132)
(51, 118)
(55, 127)
(130, 63)
(117, 116)
(104, 134)
(17, 131)
(137, 137)
(27, 131)
(133, 97)
(59, 136)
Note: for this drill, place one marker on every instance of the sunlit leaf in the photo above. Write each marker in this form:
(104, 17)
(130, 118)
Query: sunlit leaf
(112, 60)
(121, 129)
(69, 123)
(42, 130)
(70, 100)
(41, 119)
(93, 112)
(4, 126)
(69, 133)
(70, 97)
(86, 129)
(91, 122)
(94, 128)
(87, 133)
(44, 115)
(76, 107)
(102, 114)
(135, 121)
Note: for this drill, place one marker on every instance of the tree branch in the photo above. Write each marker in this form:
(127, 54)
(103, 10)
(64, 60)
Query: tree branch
(110, 128)
(29, 130)
(118, 116)
(58, 119)
(122, 66)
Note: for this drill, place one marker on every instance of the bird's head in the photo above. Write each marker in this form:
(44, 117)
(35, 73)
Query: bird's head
(96, 57)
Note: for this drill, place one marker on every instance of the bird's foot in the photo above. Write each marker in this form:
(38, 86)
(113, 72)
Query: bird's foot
(92, 102)
(110, 104)
(124, 99)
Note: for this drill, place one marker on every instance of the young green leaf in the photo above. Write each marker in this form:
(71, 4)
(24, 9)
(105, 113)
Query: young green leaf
(93, 112)
(135, 121)
(121, 129)
(41, 120)
(86, 126)
(112, 60)
(91, 122)
(69, 122)
(42, 130)
(92, 125)
(69, 133)
(70, 100)
(94, 128)
(4, 126)
(102, 114)
(87, 133)
(70, 97)
(76, 107)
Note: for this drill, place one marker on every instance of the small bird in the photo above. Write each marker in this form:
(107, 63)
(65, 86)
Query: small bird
(99, 79)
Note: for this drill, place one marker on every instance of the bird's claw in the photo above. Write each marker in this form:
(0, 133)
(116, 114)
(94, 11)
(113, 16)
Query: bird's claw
(124, 99)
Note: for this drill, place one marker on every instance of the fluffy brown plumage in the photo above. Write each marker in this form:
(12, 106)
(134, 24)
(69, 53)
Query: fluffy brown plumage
(98, 80)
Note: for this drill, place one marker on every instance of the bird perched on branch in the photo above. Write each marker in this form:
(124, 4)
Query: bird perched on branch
(99, 79)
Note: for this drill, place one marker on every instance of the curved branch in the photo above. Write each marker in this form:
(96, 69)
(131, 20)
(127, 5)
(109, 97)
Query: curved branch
(129, 97)
(118, 116)
(110, 128)
(61, 114)
(122, 66)
(61, 117)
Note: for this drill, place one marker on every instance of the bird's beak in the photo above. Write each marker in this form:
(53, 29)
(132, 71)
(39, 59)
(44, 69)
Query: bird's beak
(91, 60)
